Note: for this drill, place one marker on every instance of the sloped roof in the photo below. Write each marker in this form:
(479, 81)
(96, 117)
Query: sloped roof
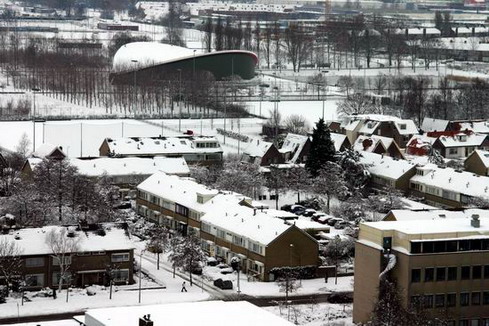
(462, 140)
(257, 148)
(385, 166)
(338, 140)
(385, 141)
(46, 149)
(293, 143)
(430, 124)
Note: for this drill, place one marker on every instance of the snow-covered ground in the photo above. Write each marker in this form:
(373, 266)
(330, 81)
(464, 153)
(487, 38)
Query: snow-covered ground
(317, 314)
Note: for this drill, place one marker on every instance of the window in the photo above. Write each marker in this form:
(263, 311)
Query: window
(120, 257)
(415, 275)
(429, 274)
(428, 247)
(65, 259)
(206, 227)
(476, 272)
(453, 151)
(221, 234)
(452, 246)
(85, 253)
(439, 300)
(452, 273)
(415, 247)
(451, 299)
(120, 275)
(485, 322)
(465, 272)
(415, 300)
(182, 210)
(34, 280)
(486, 271)
(463, 245)
(485, 298)
(428, 301)
(475, 299)
(98, 253)
(475, 322)
(57, 275)
(464, 299)
(34, 262)
(463, 322)
(440, 274)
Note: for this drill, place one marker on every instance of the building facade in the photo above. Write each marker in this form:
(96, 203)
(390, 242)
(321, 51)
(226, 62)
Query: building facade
(441, 267)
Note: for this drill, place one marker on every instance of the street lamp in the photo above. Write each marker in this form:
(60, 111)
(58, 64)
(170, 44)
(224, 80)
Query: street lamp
(140, 270)
(34, 90)
(135, 94)
(180, 100)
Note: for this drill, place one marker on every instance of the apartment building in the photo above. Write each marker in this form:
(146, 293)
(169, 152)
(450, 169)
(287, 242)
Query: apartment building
(441, 265)
(194, 149)
(102, 252)
(388, 172)
(228, 224)
(447, 187)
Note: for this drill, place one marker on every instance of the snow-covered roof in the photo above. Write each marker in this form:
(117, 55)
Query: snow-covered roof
(206, 313)
(385, 166)
(451, 180)
(430, 124)
(293, 143)
(437, 214)
(126, 166)
(338, 140)
(45, 150)
(480, 127)
(306, 224)
(463, 140)
(224, 213)
(162, 145)
(358, 145)
(179, 190)
(405, 126)
(461, 44)
(483, 155)
(420, 141)
(32, 241)
(418, 31)
(139, 55)
(257, 148)
(434, 226)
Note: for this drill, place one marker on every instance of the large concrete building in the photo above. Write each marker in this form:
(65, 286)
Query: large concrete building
(442, 263)
(152, 62)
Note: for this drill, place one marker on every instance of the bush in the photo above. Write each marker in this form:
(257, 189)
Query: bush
(301, 272)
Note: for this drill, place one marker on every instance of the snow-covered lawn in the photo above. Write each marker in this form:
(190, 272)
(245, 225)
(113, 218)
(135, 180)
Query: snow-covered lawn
(122, 296)
(318, 314)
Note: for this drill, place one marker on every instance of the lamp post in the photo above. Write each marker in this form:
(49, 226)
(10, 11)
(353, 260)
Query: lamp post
(180, 100)
(140, 270)
(135, 94)
(34, 90)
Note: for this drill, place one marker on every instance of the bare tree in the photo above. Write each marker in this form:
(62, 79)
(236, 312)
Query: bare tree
(297, 124)
(298, 45)
(276, 181)
(357, 104)
(63, 245)
(10, 262)
(159, 242)
(330, 183)
(188, 254)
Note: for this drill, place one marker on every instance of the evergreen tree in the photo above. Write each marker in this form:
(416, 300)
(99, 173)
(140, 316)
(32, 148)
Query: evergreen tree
(322, 149)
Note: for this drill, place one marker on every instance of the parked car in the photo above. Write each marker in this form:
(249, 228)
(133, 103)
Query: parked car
(324, 219)
(223, 285)
(332, 221)
(340, 225)
(297, 209)
(286, 208)
(309, 212)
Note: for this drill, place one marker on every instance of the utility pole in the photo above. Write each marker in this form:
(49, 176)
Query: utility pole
(34, 90)
(135, 94)
(180, 100)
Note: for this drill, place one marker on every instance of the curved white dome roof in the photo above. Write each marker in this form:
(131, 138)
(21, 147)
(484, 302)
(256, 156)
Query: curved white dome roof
(147, 54)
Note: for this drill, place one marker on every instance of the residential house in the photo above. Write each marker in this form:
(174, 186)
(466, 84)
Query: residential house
(100, 249)
(476, 126)
(227, 223)
(379, 145)
(439, 264)
(50, 151)
(455, 145)
(447, 187)
(401, 130)
(124, 172)
(295, 148)
(478, 162)
(341, 142)
(194, 149)
(263, 153)
(420, 145)
(388, 172)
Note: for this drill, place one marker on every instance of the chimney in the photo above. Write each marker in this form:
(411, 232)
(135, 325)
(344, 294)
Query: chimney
(475, 221)
(146, 321)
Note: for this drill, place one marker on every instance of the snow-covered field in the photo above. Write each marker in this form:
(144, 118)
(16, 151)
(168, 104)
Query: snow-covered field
(318, 314)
